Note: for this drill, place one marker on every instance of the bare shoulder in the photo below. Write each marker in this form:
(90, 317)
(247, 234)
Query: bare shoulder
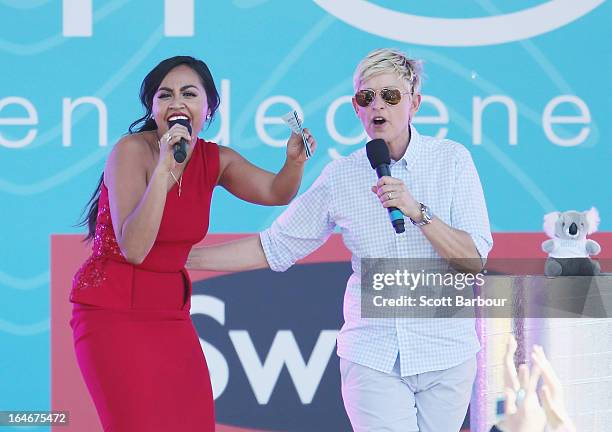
(132, 155)
(134, 145)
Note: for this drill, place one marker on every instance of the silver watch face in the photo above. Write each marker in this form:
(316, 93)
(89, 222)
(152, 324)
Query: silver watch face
(426, 216)
(426, 212)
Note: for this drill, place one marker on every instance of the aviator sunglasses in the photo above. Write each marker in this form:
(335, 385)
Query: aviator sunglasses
(390, 95)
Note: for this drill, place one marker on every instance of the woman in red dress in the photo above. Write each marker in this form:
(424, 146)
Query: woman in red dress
(134, 340)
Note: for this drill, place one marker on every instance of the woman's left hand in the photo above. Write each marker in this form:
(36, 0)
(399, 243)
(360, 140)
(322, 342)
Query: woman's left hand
(393, 193)
(295, 146)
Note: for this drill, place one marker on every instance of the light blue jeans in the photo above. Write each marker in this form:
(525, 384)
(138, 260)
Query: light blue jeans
(428, 402)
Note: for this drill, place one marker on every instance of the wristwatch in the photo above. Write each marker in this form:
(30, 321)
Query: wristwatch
(426, 216)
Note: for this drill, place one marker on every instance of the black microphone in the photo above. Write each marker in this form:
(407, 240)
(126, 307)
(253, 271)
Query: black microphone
(180, 149)
(378, 155)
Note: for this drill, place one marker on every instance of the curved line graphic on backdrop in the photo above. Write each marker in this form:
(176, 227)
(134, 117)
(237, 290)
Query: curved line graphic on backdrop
(24, 283)
(24, 4)
(95, 156)
(424, 30)
(276, 75)
(24, 329)
(248, 4)
(58, 39)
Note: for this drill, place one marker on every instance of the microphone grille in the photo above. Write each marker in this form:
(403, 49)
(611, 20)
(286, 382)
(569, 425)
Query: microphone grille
(378, 152)
(182, 122)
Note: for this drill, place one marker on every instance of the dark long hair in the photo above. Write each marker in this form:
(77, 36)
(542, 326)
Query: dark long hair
(148, 88)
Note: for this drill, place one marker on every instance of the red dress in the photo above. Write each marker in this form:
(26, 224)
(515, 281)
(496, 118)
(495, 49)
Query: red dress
(134, 340)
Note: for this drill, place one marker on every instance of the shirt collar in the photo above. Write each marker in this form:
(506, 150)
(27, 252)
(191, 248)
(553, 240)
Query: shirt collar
(412, 151)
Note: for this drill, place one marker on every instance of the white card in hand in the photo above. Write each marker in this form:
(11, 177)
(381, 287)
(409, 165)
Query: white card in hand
(294, 122)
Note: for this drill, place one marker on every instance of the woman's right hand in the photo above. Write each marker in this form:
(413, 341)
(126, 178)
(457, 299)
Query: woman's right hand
(166, 145)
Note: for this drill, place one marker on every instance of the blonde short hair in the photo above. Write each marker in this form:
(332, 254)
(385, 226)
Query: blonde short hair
(389, 60)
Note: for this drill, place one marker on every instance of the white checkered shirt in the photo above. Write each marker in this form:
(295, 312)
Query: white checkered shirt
(439, 173)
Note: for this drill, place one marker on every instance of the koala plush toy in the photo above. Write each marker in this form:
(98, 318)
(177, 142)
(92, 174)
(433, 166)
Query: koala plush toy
(568, 249)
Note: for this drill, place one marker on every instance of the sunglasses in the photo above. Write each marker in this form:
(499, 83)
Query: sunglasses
(391, 96)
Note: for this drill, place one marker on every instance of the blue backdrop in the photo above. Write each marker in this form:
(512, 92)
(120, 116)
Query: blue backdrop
(524, 85)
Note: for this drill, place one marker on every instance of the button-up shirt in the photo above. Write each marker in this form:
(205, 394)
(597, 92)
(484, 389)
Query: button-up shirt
(437, 172)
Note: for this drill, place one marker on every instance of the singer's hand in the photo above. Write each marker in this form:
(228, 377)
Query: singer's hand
(393, 193)
(167, 142)
(295, 147)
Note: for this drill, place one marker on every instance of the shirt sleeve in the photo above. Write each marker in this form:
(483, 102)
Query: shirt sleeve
(468, 209)
(302, 228)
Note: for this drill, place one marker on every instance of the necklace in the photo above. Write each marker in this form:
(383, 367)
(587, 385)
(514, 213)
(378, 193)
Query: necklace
(179, 182)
